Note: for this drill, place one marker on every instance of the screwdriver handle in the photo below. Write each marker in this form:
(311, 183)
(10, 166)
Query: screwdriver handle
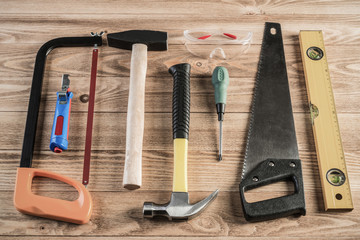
(220, 81)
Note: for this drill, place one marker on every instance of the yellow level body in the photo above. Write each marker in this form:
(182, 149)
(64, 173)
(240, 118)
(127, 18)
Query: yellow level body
(330, 153)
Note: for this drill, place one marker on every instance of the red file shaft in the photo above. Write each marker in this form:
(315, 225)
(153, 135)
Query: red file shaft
(90, 117)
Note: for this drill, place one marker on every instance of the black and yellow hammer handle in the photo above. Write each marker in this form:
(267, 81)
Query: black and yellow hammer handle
(180, 123)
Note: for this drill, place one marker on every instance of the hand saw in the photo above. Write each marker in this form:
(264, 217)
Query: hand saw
(77, 211)
(271, 151)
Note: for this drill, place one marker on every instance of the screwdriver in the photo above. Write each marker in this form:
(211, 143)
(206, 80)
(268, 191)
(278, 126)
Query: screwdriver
(220, 81)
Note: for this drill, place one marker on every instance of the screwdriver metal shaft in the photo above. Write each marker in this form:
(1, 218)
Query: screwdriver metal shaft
(220, 141)
(220, 81)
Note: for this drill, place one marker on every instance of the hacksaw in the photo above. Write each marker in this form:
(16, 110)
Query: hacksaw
(25, 201)
(330, 153)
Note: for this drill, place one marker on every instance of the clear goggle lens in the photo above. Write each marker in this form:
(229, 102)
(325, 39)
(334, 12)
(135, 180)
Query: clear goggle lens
(217, 44)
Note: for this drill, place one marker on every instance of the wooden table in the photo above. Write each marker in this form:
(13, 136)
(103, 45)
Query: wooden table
(26, 25)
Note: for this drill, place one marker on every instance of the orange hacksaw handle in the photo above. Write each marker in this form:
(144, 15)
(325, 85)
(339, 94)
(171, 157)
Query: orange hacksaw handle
(77, 211)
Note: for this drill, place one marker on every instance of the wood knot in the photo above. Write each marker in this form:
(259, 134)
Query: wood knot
(84, 98)
(210, 223)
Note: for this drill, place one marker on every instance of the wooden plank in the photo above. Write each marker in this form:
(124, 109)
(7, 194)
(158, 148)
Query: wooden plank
(203, 170)
(120, 214)
(18, 61)
(189, 8)
(112, 94)
(173, 238)
(107, 160)
(109, 131)
(339, 29)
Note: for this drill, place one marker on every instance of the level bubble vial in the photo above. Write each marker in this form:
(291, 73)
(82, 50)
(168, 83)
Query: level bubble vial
(335, 177)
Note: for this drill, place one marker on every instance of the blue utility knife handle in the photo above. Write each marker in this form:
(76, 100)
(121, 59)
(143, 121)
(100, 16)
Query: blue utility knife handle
(60, 128)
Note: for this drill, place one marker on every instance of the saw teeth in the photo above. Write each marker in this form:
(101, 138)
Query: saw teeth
(253, 106)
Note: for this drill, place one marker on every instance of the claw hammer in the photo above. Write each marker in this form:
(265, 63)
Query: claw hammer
(139, 41)
(179, 207)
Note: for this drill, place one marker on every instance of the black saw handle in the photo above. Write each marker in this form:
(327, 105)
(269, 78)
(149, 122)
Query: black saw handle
(181, 100)
(271, 171)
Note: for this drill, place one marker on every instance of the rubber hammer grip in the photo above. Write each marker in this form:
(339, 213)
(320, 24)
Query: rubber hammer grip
(181, 100)
(135, 118)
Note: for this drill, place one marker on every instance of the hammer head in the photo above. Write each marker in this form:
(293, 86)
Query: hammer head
(178, 208)
(155, 40)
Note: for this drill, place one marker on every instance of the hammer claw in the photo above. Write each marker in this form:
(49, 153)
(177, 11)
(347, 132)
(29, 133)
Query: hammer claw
(178, 208)
(199, 206)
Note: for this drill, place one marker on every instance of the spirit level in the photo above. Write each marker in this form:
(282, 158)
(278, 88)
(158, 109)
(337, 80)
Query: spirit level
(330, 153)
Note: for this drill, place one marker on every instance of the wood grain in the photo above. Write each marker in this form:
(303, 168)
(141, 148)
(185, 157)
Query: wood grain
(339, 29)
(26, 25)
(135, 118)
(218, 8)
(203, 170)
(223, 217)
(109, 131)
(19, 60)
(178, 238)
(113, 80)
(112, 94)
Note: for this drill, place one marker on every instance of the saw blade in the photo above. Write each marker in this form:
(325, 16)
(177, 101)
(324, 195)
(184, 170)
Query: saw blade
(271, 131)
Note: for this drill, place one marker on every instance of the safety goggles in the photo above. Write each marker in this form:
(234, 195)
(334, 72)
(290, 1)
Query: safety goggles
(217, 44)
